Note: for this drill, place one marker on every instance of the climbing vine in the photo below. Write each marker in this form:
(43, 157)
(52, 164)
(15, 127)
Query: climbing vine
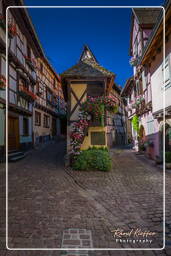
(135, 123)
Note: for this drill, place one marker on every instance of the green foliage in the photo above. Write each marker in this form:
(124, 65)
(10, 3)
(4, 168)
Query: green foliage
(99, 148)
(168, 157)
(93, 159)
(135, 123)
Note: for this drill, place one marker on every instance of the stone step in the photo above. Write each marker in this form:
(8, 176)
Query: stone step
(15, 153)
(16, 156)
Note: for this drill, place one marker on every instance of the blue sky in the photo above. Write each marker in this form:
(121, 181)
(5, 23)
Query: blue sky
(63, 32)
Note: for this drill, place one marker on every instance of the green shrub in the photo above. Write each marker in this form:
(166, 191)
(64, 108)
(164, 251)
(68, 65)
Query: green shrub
(93, 159)
(168, 157)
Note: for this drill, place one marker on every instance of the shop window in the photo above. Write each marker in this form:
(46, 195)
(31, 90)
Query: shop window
(25, 126)
(37, 118)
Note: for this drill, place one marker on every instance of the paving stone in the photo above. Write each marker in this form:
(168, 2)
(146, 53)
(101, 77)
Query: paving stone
(47, 202)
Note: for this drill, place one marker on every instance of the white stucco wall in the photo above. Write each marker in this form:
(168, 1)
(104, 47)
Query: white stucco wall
(157, 82)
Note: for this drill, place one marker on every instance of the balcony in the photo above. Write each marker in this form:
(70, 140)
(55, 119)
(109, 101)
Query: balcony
(27, 94)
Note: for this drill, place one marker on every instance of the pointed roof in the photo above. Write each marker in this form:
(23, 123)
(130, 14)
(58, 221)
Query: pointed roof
(87, 55)
(87, 67)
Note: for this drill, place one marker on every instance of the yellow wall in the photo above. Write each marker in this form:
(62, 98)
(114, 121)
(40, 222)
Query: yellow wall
(87, 140)
(79, 90)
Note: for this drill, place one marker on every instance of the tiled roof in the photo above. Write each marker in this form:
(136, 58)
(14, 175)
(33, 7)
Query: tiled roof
(147, 15)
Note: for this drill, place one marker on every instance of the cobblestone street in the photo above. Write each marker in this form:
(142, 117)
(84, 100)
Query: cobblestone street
(52, 207)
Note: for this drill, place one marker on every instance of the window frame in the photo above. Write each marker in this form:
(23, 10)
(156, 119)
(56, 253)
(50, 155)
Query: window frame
(37, 123)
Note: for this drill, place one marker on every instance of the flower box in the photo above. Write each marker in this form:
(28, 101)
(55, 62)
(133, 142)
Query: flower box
(2, 82)
(12, 30)
(26, 93)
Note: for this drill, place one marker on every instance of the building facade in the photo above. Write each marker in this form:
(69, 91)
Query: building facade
(87, 79)
(116, 123)
(23, 95)
(23, 49)
(144, 91)
(49, 106)
(160, 74)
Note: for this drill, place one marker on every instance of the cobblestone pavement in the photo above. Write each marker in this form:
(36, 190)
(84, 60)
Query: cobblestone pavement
(45, 200)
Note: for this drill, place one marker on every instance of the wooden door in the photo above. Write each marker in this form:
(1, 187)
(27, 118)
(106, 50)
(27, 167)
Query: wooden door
(13, 133)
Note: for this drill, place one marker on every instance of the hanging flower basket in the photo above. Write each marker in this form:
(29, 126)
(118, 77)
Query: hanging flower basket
(133, 61)
(2, 82)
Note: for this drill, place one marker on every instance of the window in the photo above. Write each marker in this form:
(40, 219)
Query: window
(46, 121)
(144, 79)
(54, 83)
(25, 126)
(22, 83)
(49, 96)
(150, 126)
(28, 52)
(41, 67)
(37, 118)
(167, 79)
(136, 47)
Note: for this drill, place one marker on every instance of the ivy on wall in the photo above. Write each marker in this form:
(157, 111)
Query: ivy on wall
(135, 123)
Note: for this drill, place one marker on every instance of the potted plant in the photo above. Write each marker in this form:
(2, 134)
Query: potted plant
(168, 159)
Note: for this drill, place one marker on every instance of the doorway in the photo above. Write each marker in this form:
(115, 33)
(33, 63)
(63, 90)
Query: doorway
(13, 133)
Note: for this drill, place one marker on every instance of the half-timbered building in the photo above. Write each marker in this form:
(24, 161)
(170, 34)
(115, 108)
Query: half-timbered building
(138, 88)
(116, 123)
(23, 48)
(87, 79)
(50, 105)
(31, 84)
